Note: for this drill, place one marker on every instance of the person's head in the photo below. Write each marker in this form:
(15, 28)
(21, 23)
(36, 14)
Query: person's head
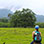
(37, 27)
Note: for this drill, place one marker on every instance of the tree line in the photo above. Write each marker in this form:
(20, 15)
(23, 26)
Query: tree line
(24, 18)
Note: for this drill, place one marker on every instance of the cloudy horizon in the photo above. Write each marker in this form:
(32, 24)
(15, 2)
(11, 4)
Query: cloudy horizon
(36, 6)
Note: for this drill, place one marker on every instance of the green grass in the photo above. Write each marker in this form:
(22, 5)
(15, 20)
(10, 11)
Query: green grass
(18, 35)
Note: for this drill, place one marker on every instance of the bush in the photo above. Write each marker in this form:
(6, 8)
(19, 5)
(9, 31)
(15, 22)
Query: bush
(41, 25)
(2, 24)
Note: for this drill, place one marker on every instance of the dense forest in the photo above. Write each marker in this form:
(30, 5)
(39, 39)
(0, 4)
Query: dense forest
(24, 18)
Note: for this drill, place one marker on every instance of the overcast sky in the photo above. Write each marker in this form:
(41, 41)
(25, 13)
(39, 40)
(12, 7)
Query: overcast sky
(36, 6)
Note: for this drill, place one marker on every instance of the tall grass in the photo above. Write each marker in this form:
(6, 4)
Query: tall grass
(18, 35)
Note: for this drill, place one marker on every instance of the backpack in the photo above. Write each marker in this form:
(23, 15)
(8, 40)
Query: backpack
(37, 37)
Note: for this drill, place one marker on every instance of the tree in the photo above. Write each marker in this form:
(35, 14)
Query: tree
(4, 19)
(24, 18)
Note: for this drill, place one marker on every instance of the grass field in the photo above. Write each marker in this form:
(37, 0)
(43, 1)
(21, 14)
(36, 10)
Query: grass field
(18, 35)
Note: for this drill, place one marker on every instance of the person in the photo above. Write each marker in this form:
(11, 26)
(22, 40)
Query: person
(35, 34)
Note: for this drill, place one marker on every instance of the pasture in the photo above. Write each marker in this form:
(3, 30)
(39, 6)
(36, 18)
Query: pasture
(18, 35)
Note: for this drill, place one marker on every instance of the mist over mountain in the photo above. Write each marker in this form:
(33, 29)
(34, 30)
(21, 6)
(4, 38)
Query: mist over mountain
(40, 18)
(5, 12)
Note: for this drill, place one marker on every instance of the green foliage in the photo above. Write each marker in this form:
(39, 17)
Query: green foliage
(2, 24)
(5, 20)
(40, 24)
(24, 18)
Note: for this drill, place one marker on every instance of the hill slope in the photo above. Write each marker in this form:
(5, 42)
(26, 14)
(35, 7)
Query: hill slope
(4, 12)
(40, 18)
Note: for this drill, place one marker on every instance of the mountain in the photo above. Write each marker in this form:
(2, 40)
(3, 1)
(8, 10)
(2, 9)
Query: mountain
(40, 18)
(5, 12)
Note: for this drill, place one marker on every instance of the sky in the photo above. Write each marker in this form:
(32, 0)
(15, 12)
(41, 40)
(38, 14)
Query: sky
(37, 6)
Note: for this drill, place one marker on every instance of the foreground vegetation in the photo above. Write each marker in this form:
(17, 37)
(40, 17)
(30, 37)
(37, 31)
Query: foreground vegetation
(18, 35)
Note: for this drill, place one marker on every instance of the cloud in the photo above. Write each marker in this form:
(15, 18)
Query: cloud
(35, 5)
